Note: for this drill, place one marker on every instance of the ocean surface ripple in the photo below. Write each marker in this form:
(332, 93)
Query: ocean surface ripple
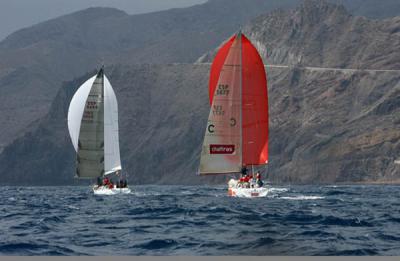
(175, 220)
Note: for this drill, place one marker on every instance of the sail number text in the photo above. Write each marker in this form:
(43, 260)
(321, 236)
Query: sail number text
(217, 110)
(223, 89)
(91, 105)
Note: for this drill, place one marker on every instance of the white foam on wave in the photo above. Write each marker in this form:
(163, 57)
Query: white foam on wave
(187, 192)
(146, 194)
(278, 190)
(302, 197)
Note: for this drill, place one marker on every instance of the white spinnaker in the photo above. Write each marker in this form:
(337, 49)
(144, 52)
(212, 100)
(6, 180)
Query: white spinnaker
(112, 161)
(224, 122)
(76, 108)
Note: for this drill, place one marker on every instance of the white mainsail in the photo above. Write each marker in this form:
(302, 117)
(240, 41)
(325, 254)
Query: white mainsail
(76, 108)
(222, 146)
(93, 127)
(112, 161)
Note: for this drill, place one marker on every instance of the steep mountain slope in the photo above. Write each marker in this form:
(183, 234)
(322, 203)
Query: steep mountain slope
(322, 34)
(162, 114)
(35, 61)
(372, 8)
(331, 127)
(327, 126)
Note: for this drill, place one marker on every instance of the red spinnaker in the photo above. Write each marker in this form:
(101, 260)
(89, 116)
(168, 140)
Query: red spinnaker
(254, 106)
(254, 100)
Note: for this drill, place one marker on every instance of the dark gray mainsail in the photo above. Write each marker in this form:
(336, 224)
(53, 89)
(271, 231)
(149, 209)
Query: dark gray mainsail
(90, 156)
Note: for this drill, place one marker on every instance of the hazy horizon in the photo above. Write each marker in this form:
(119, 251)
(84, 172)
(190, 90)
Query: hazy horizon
(18, 14)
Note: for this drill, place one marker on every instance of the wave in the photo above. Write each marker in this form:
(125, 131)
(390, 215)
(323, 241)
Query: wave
(157, 244)
(172, 220)
(338, 192)
(35, 249)
(350, 222)
(302, 197)
(264, 241)
(354, 252)
(278, 190)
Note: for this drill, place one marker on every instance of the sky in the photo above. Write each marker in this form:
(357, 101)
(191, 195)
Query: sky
(17, 14)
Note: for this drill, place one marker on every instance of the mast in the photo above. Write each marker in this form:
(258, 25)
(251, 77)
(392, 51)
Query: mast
(101, 72)
(239, 36)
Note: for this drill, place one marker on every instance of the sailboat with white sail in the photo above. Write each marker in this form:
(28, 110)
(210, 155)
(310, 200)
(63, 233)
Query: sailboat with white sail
(93, 127)
(236, 136)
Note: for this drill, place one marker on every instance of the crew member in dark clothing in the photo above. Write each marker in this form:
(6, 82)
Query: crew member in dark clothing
(243, 171)
(258, 180)
(99, 182)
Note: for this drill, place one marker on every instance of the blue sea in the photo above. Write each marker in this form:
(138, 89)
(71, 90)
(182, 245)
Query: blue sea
(175, 220)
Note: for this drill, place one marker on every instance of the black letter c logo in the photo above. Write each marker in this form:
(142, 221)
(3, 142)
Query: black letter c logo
(233, 122)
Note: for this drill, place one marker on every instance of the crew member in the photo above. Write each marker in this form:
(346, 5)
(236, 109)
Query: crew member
(106, 181)
(258, 180)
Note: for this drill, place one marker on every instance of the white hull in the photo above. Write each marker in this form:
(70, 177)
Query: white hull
(235, 191)
(107, 191)
(248, 192)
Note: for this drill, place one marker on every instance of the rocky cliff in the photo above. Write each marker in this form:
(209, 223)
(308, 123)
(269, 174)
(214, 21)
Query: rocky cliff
(326, 35)
(326, 126)
(35, 61)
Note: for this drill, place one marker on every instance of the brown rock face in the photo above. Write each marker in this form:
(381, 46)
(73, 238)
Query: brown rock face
(34, 62)
(325, 35)
(326, 126)
(329, 127)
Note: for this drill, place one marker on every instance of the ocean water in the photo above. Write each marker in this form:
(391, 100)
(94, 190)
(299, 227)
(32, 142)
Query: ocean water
(174, 220)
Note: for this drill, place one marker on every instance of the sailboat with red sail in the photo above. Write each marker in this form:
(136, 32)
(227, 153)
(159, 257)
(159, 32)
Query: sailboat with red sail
(236, 136)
